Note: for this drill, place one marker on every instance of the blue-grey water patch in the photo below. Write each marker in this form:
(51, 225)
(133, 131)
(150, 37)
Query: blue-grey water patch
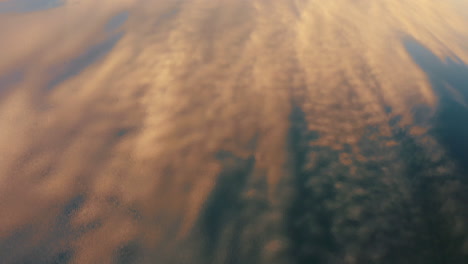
(10, 79)
(116, 21)
(122, 132)
(24, 6)
(23, 246)
(129, 253)
(449, 80)
(77, 65)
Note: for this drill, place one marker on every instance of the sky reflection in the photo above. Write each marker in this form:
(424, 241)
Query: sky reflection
(24, 6)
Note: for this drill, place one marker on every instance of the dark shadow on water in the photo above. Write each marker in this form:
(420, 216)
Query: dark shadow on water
(225, 205)
(9, 245)
(309, 222)
(25, 6)
(77, 65)
(129, 253)
(61, 258)
(20, 249)
(400, 229)
(431, 240)
(122, 132)
(24, 247)
(71, 208)
(451, 121)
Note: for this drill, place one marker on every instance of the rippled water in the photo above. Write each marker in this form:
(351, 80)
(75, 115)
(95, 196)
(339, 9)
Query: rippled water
(232, 131)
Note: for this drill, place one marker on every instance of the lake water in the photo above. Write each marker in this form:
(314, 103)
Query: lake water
(234, 132)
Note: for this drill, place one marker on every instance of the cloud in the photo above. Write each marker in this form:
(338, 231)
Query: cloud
(152, 134)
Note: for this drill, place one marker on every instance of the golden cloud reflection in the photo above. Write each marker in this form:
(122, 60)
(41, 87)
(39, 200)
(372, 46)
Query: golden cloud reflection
(231, 131)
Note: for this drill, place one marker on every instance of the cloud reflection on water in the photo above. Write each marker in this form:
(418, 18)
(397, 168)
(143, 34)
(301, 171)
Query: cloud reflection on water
(234, 132)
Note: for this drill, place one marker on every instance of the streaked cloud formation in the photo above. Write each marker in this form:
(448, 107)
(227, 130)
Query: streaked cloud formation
(229, 131)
